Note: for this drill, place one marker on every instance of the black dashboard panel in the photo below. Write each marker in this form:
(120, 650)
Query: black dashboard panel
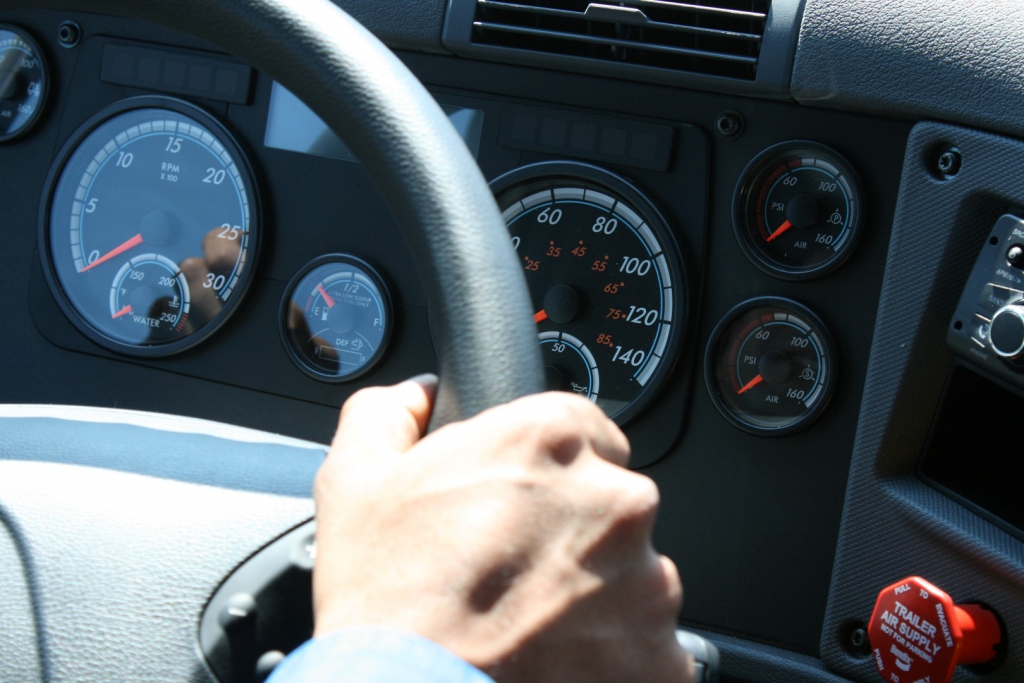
(731, 501)
(751, 522)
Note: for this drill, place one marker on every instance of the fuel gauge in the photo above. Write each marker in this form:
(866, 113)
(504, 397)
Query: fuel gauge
(336, 318)
(770, 366)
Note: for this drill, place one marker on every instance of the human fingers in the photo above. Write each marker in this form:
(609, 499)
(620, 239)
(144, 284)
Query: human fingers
(556, 425)
(673, 584)
(386, 419)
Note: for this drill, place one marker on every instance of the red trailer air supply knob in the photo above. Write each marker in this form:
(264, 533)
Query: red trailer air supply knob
(919, 636)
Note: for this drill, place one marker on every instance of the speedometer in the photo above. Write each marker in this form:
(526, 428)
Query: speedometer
(606, 280)
(150, 227)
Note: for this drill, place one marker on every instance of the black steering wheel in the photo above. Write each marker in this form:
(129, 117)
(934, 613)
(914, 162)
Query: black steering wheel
(150, 501)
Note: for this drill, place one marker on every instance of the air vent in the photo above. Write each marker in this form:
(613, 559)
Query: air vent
(711, 37)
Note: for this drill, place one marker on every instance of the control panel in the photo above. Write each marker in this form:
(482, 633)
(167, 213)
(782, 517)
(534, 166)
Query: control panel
(988, 328)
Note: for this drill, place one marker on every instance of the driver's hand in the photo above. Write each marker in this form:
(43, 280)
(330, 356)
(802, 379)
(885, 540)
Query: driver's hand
(517, 539)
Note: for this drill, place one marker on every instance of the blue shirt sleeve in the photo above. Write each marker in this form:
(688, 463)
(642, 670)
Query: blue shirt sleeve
(374, 654)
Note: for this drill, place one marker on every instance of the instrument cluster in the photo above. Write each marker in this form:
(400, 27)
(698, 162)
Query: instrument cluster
(152, 227)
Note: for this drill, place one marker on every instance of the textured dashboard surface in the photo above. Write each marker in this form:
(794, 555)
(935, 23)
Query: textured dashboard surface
(19, 646)
(744, 660)
(915, 59)
(121, 549)
(894, 525)
(403, 24)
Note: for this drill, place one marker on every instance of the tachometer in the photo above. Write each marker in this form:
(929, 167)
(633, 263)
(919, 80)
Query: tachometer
(606, 279)
(150, 227)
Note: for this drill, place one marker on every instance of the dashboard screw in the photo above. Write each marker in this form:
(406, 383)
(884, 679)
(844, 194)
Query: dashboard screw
(859, 642)
(729, 124)
(69, 34)
(948, 163)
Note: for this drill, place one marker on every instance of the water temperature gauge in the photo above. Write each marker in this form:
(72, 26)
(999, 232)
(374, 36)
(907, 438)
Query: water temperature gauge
(336, 318)
(771, 366)
(151, 295)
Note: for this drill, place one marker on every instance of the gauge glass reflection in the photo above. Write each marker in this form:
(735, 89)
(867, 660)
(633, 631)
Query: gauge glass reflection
(336, 318)
(24, 82)
(152, 227)
(770, 367)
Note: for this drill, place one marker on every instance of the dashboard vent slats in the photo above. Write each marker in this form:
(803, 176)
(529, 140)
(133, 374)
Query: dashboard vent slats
(713, 37)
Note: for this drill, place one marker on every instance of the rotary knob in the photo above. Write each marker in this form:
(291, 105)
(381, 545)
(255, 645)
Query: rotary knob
(1006, 333)
(919, 635)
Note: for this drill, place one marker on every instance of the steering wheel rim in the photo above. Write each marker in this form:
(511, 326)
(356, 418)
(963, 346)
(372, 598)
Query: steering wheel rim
(486, 343)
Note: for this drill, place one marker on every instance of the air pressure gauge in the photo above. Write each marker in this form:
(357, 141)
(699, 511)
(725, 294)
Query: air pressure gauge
(797, 210)
(24, 82)
(771, 366)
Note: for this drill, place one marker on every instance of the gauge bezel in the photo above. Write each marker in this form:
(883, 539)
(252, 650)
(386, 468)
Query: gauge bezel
(714, 347)
(639, 202)
(743, 195)
(43, 97)
(385, 294)
(256, 224)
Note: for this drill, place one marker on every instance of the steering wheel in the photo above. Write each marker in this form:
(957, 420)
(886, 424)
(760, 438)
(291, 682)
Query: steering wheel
(487, 349)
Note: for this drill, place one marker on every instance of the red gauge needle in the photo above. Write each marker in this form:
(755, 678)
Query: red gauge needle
(782, 228)
(117, 251)
(540, 316)
(751, 384)
(327, 297)
(124, 311)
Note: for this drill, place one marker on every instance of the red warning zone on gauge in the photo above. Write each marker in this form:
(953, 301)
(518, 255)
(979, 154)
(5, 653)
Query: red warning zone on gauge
(918, 635)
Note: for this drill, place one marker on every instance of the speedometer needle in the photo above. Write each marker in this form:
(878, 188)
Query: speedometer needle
(782, 228)
(117, 251)
(327, 297)
(124, 311)
(540, 316)
(751, 384)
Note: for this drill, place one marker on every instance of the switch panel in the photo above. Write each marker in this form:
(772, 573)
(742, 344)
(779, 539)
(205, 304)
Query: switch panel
(988, 327)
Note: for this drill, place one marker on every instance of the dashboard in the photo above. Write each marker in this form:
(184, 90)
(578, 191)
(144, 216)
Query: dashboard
(756, 289)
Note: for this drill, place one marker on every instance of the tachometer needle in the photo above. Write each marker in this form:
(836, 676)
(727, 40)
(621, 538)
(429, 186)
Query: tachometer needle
(782, 228)
(751, 384)
(124, 311)
(117, 251)
(540, 316)
(327, 297)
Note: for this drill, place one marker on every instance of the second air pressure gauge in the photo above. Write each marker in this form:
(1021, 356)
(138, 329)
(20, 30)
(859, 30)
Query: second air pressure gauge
(770, 366)
(797, 210)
